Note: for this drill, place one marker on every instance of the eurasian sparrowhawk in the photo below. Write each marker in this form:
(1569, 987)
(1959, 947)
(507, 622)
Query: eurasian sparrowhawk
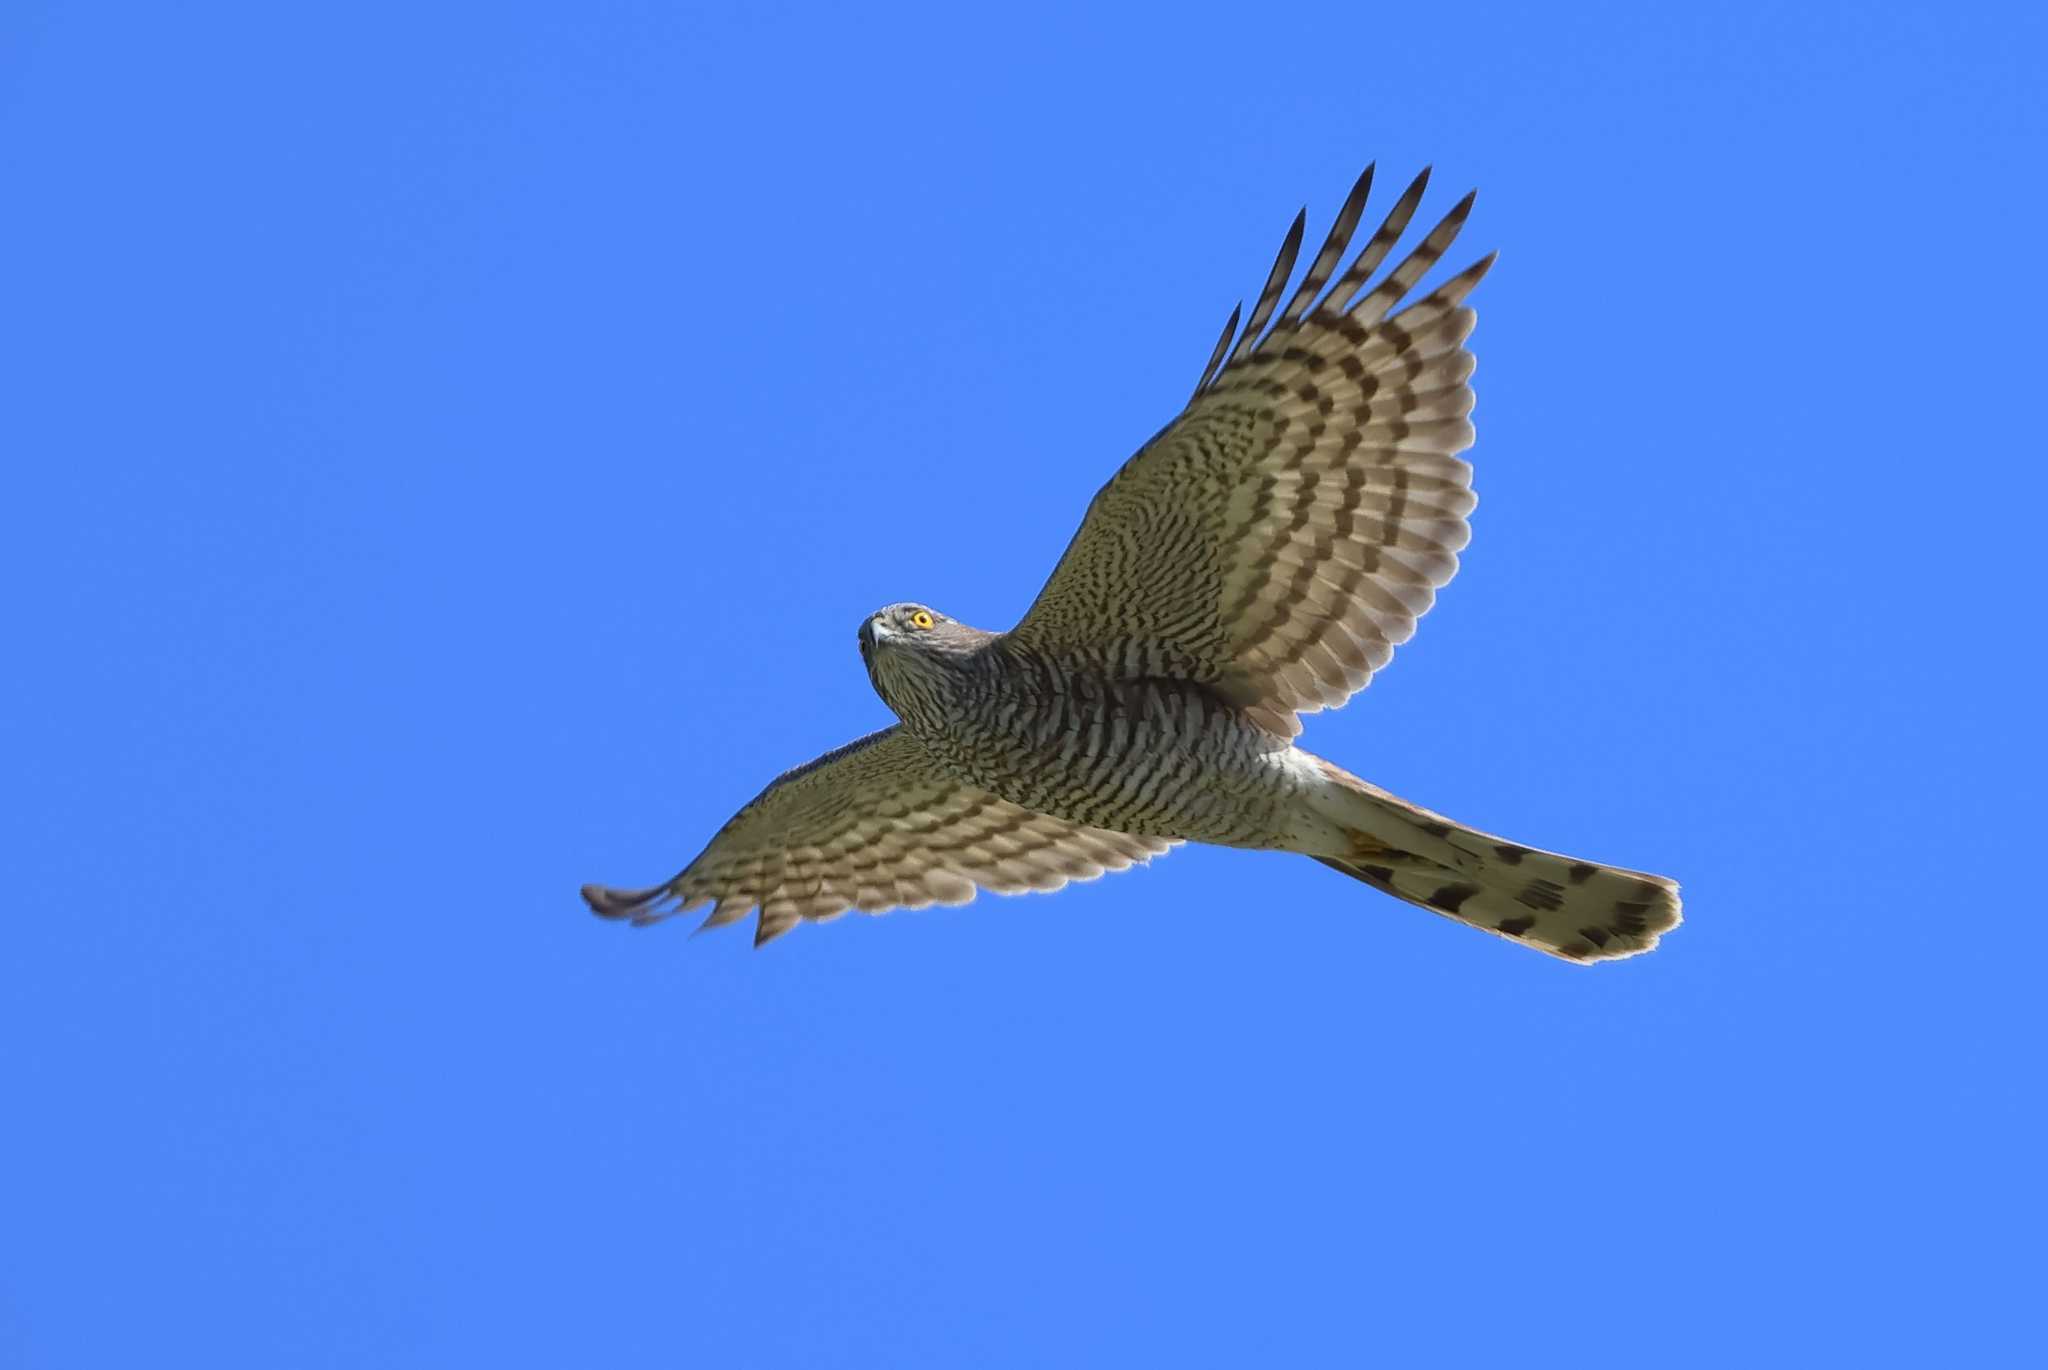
(1260, 558)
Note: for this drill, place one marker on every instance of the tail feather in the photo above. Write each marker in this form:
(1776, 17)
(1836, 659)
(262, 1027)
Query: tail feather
(1577, 910)
(1615, 913)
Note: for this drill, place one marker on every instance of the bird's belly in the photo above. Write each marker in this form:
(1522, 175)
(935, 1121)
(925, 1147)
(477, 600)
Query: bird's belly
(1156, 759)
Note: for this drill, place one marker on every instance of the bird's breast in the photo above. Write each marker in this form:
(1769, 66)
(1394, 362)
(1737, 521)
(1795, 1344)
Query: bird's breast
(1152, 757)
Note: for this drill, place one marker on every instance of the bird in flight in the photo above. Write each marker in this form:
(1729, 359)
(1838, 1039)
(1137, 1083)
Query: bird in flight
(1260, 558)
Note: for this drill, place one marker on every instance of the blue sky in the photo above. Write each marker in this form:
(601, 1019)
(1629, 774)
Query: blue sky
(450, 449)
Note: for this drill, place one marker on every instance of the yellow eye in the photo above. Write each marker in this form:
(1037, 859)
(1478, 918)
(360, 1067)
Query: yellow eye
(921, 619)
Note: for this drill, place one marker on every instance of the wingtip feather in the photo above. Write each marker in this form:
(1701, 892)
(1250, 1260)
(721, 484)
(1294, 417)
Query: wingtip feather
(607, 902)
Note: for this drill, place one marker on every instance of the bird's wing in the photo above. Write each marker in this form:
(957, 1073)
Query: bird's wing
(875, 825)
(1282, 536)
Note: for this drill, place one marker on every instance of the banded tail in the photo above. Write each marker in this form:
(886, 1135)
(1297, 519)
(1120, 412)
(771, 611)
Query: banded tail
(1577, 910)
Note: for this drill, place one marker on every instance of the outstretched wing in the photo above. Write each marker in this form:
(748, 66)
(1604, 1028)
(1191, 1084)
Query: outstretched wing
(1280, 538)
(875, 825)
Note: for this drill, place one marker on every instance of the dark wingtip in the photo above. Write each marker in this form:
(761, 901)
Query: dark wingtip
(1222, 349)
(607, 902)
(1478, 269)
(767, 929)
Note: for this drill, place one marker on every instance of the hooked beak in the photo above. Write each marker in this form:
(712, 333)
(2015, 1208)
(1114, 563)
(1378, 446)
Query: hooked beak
(867, 639)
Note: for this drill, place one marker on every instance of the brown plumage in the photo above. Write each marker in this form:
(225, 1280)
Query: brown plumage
(1259, 559)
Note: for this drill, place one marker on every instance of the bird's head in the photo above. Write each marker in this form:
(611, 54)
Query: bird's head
(914, 653)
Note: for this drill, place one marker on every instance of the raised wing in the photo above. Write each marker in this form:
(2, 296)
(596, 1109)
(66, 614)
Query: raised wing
(1280, 538)
(875, 825)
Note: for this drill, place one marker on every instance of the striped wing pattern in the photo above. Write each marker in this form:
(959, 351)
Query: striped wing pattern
(1282, 536)
(873, 826)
